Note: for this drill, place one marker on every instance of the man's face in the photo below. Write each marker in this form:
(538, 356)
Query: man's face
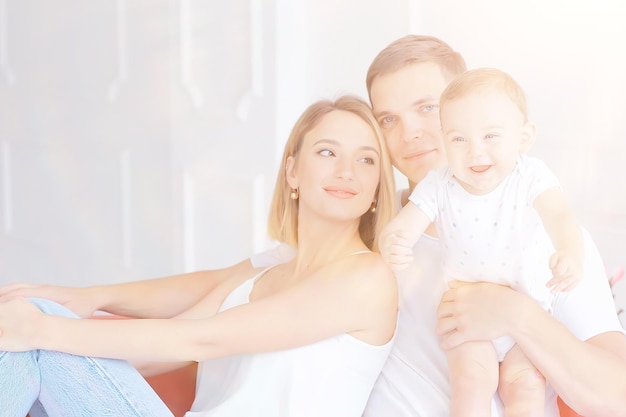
(406, 104)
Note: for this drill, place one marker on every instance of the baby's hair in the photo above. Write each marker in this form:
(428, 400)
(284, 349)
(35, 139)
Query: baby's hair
(482, 79)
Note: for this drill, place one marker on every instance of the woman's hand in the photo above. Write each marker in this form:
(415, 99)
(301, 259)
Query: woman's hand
(478, 311)
(75, 299)
(19, 321)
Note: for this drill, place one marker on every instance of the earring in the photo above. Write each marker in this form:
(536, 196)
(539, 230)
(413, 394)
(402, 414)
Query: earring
(294, 194)
(373, 207)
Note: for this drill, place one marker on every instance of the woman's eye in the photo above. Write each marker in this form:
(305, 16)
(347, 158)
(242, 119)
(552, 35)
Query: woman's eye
(326, 152)
(367, 160)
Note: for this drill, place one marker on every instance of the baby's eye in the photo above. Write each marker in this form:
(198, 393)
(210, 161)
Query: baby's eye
(490, 136)
(458, 139)
(326, 152)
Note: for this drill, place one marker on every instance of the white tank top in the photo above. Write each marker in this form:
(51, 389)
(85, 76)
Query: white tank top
(329, 378)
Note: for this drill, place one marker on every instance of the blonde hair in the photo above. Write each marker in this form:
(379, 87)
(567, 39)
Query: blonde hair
(283, 218)
(413, 49)
(481, 79)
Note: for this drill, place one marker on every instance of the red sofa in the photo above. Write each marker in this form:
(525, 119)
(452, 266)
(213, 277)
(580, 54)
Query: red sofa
(177, 388)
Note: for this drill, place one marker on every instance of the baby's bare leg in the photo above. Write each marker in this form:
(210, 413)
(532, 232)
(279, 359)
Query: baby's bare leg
(522, 388)
(473, 368)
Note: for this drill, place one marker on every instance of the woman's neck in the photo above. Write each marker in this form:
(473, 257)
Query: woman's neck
(322, 245)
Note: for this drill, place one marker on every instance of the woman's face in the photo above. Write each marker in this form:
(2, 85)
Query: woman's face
(337, 170)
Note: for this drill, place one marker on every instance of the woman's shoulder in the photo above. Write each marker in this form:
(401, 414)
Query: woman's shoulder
(366, 271)
(374, 293)
(363, 260)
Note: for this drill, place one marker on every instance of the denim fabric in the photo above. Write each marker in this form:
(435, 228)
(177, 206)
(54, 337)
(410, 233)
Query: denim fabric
(55, 384)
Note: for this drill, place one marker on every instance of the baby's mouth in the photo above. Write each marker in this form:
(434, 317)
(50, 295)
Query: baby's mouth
(480, 168)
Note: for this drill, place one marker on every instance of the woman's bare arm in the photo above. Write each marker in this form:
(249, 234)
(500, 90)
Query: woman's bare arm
(165, 297)
(357, 296)
(153, 298)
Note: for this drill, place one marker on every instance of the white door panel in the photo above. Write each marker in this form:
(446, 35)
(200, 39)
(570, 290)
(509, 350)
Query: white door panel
(107, 106)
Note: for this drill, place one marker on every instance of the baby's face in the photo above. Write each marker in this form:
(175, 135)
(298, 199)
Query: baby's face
(484, 133)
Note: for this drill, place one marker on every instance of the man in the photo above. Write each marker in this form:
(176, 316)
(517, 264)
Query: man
(584, 365)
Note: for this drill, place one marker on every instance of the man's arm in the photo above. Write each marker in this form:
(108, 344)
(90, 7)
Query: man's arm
(582, 354)
(587, 375)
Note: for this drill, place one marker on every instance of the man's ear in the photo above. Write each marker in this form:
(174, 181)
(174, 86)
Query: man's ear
(528, 137)
(290, 172)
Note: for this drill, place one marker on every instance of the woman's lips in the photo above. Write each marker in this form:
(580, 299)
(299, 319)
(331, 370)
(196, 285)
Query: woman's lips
(341, 192)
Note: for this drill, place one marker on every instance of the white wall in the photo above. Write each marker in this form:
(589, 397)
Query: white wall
(140, 138)
(325, 47)
(568, 55)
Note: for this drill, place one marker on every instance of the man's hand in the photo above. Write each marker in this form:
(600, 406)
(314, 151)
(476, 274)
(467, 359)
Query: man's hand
(478, 311)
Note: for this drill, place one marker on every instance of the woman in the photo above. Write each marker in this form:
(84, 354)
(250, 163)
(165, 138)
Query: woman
(303, 338)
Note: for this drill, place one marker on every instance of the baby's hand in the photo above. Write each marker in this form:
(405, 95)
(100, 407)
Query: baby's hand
(567, 271)
(396, 250)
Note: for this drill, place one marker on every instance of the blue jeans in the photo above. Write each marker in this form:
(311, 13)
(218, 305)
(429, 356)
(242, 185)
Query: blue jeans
(55, 384)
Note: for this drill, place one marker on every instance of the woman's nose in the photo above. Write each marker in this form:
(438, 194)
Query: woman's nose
(345, 168)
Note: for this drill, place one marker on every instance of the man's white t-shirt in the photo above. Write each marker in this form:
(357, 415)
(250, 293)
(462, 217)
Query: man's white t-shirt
(414, 380)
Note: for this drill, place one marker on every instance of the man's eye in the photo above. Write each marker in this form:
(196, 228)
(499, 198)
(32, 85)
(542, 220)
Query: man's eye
(387, 120)
(429, 108)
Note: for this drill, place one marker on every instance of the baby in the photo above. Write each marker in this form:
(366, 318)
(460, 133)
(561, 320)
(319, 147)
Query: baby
(501, 217)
